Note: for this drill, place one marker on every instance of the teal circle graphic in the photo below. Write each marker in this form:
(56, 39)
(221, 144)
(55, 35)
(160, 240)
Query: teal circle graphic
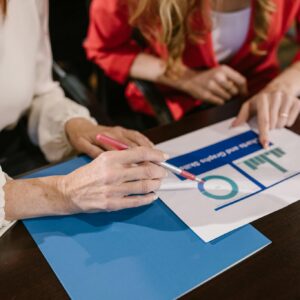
(234, 188)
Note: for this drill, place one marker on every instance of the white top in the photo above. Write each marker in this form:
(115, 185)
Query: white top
(26, 85)
(229, 32)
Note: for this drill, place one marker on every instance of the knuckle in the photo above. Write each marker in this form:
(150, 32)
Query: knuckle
(149, 172)
(210, 83)
(107, 191)
(145, 187)
(161, 173)
(156, 185)
(277, 93)
(143, 152)
(106, 157)
(220, 75)
(108, 176)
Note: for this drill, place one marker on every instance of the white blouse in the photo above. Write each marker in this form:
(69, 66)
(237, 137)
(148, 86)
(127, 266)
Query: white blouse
(26, 85)
(229, 32)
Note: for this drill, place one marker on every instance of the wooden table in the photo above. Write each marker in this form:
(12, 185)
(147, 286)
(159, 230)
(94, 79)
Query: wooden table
(273, 273)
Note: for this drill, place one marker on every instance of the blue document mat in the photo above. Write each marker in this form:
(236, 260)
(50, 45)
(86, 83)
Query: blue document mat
(143, 253)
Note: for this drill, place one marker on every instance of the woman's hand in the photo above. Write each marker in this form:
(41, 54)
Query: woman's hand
(216, 85)
(82, 136)
(115, 180)
(274, 109)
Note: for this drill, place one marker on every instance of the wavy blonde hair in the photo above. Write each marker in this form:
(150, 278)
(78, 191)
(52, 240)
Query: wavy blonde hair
(173, 22)
(262, 17)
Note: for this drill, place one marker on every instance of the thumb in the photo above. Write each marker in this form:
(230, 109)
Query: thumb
(243, 115)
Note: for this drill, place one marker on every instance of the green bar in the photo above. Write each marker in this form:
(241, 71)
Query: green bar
(260, 159)
(257, 160)
(280, 151)
(249, 164)
(253, 161)
(276, 153)
(271, 162)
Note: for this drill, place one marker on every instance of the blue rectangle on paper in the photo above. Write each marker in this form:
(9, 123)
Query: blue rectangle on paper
(144, 253)
(219, 154)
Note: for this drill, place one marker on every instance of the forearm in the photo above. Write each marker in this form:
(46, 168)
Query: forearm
(34, 198)
(147, 67)
(288, 80)
(151, 68)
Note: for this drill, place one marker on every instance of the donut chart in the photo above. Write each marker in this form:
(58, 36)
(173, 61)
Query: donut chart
(234, 189)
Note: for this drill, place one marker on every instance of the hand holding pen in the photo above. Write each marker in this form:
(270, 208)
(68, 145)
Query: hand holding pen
(120, 146)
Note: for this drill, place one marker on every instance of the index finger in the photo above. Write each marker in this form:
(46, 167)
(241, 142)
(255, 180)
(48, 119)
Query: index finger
(239, 80)
(263, 120)
(139, 138)
(141, 154)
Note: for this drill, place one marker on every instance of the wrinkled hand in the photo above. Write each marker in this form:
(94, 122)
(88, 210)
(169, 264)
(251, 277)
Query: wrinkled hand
(82, 136)
(215, 86)
(274, 109)
(115, 180)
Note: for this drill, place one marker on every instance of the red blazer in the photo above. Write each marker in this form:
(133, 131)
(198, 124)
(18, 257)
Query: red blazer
(109, 44)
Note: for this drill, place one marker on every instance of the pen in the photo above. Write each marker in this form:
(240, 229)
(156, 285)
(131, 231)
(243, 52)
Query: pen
(120, 146)
(178, 185)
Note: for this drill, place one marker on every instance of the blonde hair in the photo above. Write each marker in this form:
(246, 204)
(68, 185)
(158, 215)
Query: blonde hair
(3, 6)
(172, 22)
(262, 17)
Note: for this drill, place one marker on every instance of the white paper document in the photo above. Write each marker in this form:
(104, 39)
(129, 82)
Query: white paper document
(243, 182)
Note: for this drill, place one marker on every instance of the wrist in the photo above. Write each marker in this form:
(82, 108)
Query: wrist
(62, 186)
(75, 123)
(181, 81)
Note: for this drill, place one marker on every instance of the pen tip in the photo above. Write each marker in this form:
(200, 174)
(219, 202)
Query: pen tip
(199, 180)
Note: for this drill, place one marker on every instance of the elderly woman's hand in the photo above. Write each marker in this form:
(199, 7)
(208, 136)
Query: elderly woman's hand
(82, 136)
(115, 180)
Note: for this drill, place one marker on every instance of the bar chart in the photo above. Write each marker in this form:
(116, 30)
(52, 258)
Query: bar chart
(267, 166)
(267, 158)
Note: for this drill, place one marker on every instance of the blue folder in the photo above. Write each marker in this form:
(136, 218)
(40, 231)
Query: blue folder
(143, 253)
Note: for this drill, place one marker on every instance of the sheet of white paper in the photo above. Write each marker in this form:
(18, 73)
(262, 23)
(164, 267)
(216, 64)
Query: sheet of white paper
(243, 181)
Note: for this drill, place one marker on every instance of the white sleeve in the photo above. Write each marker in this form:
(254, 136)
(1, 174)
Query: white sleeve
(50, 109)
(4, 225)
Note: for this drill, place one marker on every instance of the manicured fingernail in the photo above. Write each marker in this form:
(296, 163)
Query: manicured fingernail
(166, 156)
